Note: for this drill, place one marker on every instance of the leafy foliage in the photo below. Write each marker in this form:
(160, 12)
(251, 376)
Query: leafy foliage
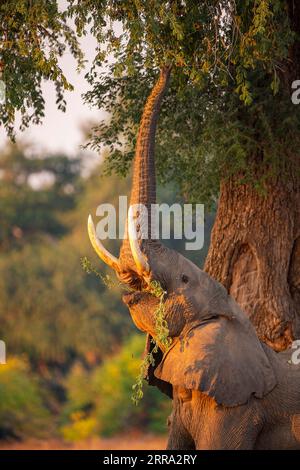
(228, 111)
(33, 35)
(22, 408)
(199, 38)
(103, 404)
(28, 212)
(114, 385)
(162, 338)
(106, 280)
(45, 295)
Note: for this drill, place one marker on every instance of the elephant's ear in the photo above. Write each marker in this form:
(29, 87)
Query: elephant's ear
(221, 358)
(163, 386)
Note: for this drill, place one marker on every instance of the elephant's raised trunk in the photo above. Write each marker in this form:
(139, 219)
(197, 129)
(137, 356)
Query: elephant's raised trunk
(144, 181)
(143, 191)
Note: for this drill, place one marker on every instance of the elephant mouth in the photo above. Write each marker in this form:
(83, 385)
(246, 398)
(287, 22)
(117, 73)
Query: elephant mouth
(131, 298)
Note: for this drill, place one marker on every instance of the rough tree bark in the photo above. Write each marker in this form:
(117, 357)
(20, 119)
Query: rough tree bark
(255, 254)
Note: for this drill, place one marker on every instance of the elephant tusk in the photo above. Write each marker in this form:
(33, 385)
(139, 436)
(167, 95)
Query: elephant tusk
(102, 252)
(133, 235)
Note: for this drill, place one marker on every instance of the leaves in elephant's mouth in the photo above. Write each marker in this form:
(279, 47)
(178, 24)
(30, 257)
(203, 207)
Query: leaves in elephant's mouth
(161, 325)
(110, 283)
(162, 338)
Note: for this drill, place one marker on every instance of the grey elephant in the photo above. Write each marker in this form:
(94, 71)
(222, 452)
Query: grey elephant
(229, 390)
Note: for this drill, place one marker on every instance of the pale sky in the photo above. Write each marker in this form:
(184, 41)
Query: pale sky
(61, 132)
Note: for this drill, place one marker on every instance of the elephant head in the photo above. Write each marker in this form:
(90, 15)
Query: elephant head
(214, 347)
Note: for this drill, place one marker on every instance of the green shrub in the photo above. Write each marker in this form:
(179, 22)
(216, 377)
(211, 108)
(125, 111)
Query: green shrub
(22, 410)
(113, 382)
(100, 401)
(77, 421)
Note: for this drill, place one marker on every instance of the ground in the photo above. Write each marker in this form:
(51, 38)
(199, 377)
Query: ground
(133, 441)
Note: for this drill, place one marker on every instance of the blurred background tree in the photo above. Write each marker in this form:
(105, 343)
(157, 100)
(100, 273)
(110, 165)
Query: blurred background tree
(22, 402)
(102, 405)
(33, 36)
(28, 213)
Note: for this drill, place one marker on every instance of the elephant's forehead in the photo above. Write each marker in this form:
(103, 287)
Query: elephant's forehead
(188, 266)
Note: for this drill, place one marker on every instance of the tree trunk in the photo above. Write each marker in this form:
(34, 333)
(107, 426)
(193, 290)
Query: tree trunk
(255, 254)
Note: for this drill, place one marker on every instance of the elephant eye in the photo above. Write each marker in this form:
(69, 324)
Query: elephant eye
(184, 278)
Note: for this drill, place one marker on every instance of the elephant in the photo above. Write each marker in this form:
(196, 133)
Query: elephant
(229, 389)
